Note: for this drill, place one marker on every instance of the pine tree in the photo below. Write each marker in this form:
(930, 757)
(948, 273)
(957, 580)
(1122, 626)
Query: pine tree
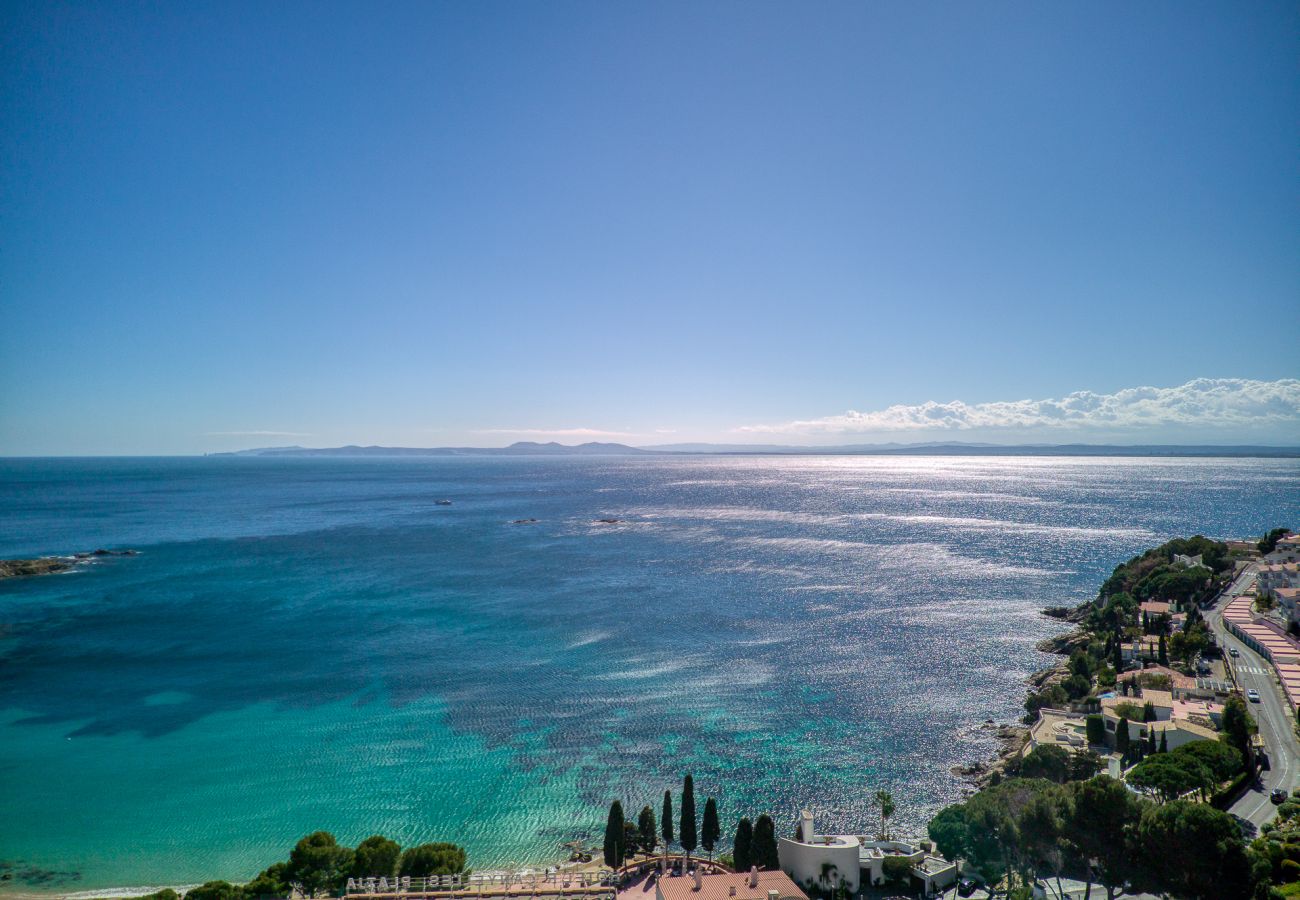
(763, 849)
(667, 819)
(648, 829)
(687, 833)
(742, 849)
(710, 831)
(615, 837)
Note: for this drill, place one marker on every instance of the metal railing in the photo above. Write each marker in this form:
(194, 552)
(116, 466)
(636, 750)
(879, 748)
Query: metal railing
(547, 881)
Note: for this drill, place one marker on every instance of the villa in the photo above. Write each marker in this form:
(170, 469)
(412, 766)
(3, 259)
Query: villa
(1178, 722)
(826, 860)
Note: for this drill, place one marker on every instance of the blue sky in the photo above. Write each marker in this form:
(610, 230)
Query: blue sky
(229, 225)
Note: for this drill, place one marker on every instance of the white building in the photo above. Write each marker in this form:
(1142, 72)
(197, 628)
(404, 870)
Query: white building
(823, 860)
(820, 860)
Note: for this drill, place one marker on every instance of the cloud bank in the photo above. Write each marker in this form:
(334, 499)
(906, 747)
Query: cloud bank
(1203, 403)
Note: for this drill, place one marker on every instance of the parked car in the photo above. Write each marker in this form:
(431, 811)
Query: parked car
(966, 887)
(1234, 652)
(1252, 695)
(1278, 796)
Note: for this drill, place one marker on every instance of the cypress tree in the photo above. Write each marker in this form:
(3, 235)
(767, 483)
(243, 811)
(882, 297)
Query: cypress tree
(1122, 737)
(710, 831)
(667, 819)
(1164, 742)
(763, 849)
(1151, 740)
(1162, 653)
(1118, 659)
(742, 850)
(687, 834)
(648, 829)
(615, 838)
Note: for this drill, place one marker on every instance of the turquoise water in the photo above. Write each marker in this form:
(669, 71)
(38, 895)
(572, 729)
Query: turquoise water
(308, 644)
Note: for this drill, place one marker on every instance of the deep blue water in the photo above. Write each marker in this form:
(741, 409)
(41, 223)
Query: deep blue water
(308, 644)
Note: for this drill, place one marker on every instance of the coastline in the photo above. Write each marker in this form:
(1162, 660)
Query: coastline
(1014, 737)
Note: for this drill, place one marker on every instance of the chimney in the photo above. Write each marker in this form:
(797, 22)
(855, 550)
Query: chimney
(733, 891)
(698, 884)
(774, 895)
(806, 830)
(753, 876)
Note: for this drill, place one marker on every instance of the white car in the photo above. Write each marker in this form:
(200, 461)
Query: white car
(1252, 695)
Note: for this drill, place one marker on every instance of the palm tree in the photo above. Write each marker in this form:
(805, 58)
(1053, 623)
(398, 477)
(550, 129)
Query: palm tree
(886, 803)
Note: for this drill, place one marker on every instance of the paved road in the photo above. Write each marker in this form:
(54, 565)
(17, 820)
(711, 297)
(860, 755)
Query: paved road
(1272, 713)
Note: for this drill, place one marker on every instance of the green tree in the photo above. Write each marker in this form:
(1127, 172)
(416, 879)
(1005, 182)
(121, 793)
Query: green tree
(631, 840)
(376, 857)
(1164, 742)
(317, 863)
(1045, 761)
(1269, 543)
(1148, 712)
(1163, 652)
(1099, 813)
(1084, 765)
(1170, 775)
(1041, 827)
(897, 870)
(710, 830)
(1096, 728)
(763, 848)
(425, 860)
(885, 801)
(648, 829)
(688, 832)
(1223, 761)
(666, 820)
(615, 846)
(742, 847)
(1122, 736)
(273, 881)
(1192, 850)
(1237, 727)
(215, 890)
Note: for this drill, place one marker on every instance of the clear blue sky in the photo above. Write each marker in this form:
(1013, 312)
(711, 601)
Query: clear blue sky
(462, 223)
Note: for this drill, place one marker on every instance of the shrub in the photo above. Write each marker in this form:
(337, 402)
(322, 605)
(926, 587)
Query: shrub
(897, 870)
(1290, 870)
(215, 890)
(432, 859)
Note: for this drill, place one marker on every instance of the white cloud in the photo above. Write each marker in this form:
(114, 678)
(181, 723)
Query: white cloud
(1201, 403)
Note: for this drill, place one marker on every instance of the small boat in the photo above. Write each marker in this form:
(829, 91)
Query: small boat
(442, 502)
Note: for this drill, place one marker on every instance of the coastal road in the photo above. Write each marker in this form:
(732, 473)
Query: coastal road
(1272, 713)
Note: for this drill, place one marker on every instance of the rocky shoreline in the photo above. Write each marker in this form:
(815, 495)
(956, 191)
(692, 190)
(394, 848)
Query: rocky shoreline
(52, 565)
(1013, 738)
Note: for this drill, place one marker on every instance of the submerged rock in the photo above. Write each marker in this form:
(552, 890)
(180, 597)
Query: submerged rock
(22, 568)
(50, 565)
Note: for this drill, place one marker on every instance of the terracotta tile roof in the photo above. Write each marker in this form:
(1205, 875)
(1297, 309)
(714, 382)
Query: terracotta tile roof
(718, 887)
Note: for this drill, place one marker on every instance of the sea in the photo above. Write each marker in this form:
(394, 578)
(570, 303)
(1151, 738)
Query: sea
(304, 644)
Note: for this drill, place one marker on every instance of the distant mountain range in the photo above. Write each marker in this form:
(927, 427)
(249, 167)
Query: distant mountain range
(533, 448)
